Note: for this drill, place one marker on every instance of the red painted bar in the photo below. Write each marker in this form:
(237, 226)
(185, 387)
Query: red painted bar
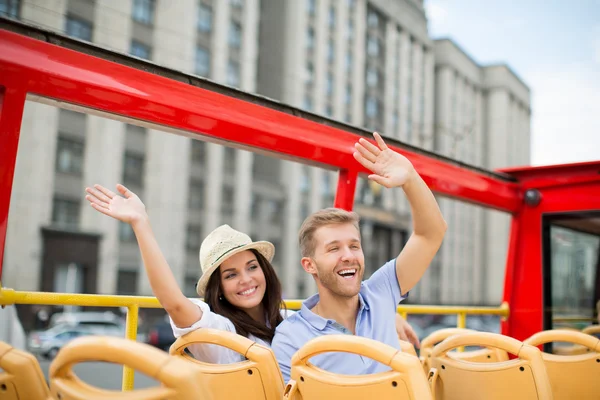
(346, 188)
(12, 103)
(59, 73)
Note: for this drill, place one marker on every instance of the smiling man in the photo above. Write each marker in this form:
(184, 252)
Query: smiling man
(331, 252)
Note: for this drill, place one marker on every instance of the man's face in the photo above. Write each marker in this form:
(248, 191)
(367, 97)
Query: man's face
(339, 259)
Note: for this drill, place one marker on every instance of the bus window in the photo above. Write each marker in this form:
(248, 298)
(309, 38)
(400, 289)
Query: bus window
(571, 270)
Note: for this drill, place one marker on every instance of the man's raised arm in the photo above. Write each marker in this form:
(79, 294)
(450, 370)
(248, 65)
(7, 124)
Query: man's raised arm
(392, 169)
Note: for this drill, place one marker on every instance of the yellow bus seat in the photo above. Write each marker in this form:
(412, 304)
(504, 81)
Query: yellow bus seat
(258, 377)
(591, 330)
(571, 376)
(522, 378)
(407, 347)
(176, 376)
(21, 376)
(405, 380)
(479, 355)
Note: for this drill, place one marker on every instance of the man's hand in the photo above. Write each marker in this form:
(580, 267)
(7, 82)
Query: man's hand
(389, 168)
(406, 332)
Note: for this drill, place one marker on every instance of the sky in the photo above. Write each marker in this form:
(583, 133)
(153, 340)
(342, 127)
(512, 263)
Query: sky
(554, 46)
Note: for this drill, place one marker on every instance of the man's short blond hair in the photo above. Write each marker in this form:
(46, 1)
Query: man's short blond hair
(327, 216)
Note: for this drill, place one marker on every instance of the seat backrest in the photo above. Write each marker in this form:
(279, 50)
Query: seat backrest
(592, 330)
(407, 347)
(257, 378)
(405, 380)
(21, 376)
(571, 376)
(480, 355)
(176, 376)
(521, 378)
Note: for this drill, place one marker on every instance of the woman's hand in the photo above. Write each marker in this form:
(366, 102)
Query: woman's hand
(129, 208)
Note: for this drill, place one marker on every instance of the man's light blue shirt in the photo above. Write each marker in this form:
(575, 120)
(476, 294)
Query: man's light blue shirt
(376, 319)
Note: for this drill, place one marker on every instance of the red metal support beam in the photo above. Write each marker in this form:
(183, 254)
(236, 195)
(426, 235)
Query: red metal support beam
(346, 187)
(12, 103)
(59, 73)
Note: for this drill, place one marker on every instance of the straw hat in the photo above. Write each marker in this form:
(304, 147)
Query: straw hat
(221, 244)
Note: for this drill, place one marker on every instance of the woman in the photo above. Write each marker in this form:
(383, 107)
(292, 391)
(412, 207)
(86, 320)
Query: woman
(238, 282)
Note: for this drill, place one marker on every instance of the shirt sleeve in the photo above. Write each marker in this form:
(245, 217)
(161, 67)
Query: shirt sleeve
(208, 320)
(209, 353)
(283, 348)
(384, 281)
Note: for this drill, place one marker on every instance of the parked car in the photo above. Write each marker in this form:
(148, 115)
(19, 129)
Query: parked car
(48, 343)
(161, 335)
(64, 327)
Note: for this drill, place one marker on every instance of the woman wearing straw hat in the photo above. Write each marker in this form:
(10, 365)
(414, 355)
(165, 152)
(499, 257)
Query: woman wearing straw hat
(240, 287)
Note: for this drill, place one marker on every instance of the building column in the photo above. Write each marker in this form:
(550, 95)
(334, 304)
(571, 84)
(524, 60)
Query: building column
(31, 197)
(358, 69)
(167, 177)
(105, 140)
(291, 268)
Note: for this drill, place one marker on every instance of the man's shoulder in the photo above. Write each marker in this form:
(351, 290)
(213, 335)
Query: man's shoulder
(293, 318)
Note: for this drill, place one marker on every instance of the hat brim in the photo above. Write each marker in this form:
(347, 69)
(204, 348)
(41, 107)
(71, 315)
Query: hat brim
(267, 249)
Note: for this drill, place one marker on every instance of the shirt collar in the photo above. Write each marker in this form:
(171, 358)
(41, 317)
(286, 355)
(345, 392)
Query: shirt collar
(316, 320)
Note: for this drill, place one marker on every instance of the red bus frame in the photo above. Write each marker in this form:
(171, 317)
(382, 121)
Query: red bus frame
(43, 64)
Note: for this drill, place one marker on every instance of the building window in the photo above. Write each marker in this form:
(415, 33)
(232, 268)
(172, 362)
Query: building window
(274, 210)
(192, 239)
(65, 213)
(348, 61)
(9, 8)
(140, 50)
(79, 28)
(310, 38)
(227, 201)
(348, 96)
(143, 11)
(127, 281)
(304, 180)
(329, 110)
(233, 73)
(372, 77)
(229, 159)
(373, 46)
(310, 72)
(235, 34)
(69, 156)
(198, 151)
(326, 188)
(307, 103)
(311, 7)
(204, 18)
(371, 107)
(329, 84)
(330, 51)
(372, 19)
(202, 61)
(196, 199)
(133, 169)
(350, 30)
(331, 17)
(126, 233)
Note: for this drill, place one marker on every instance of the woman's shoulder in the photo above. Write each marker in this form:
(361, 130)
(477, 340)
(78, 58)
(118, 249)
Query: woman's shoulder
(287, 313)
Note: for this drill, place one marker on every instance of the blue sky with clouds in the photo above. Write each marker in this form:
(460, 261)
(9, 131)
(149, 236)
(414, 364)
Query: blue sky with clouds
(554, 46)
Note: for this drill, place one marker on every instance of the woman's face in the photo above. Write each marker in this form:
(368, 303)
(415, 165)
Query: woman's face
(243, 281)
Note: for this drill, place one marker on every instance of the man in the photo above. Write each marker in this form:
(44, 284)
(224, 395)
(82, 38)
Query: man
(331, 252)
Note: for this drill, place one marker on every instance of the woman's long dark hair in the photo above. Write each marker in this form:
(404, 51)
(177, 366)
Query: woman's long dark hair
(244, 324)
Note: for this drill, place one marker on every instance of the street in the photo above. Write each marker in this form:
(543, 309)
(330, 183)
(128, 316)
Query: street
(103, 375)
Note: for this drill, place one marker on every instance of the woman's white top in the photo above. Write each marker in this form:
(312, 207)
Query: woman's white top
(212, 353)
